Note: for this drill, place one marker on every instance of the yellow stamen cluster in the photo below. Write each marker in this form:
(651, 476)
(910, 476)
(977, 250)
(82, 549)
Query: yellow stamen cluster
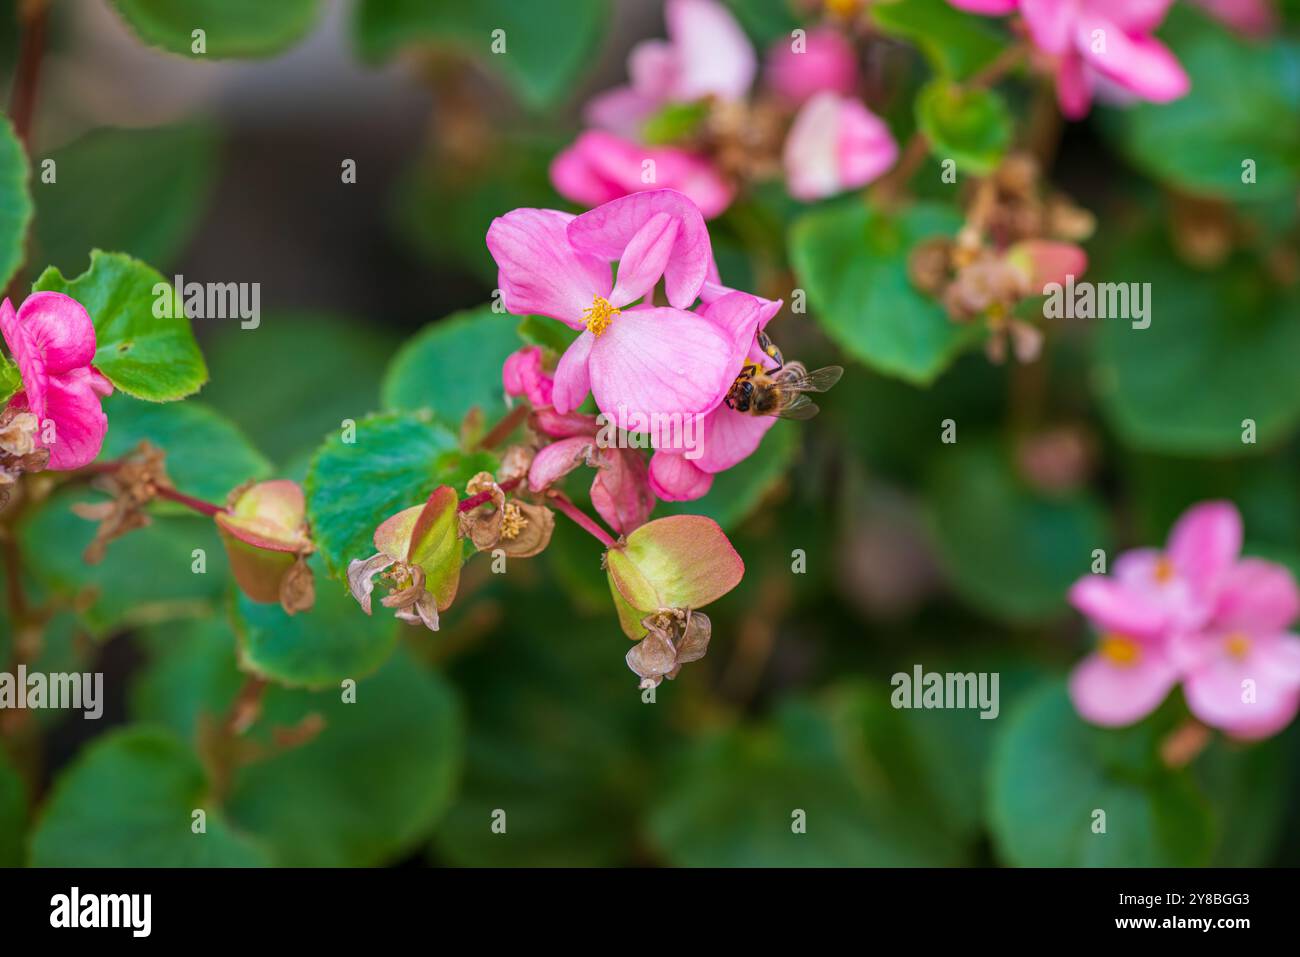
(1237, 645)
(1164, 570)
(1120, 649)
(512, 521)
(599, 315)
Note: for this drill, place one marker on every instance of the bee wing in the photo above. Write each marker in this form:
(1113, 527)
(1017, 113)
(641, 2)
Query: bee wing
(820, 380)
(796, 405)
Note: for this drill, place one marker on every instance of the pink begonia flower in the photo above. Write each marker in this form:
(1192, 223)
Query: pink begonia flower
(52, 339)
(1254, 18)
(620, 491)
(523, 375)
(638, 362)
(599, 167)
(726, 437)
(706, 54)
(1151, 597)
(835, 144)
(1098, 46)
(1243, 670)
(827, 62)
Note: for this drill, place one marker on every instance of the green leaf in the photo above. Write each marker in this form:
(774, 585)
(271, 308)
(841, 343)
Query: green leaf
(972, 127)
(370, 786)
(1009, 550)
(13, 814)
(454, 365)
(558, 738)
(547, 333)
(232, 28)
(732, 802)
(1217, 352)
(332, 641)
(396, 460)
(853, 263)
(15, 203)
(1241, 91)
(10, 379)
(443, 205)
(674, 122)
(958, 44)
(312, 393)
(148, 576)
(143, 355)
(191, 672)
(737, 492)
(1051, 774)
(162, 179)
(127, 801)
(1247, 784)
(546, 46)
(207, 455)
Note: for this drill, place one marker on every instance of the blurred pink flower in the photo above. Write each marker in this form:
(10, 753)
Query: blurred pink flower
(826, 62)
(706, 54)
(1243, 669)
(599, 167)
(727, 437)
(1098, 46)
(641, 361)
(523, 375)
(835, 144)
(1152, 597)
(1254, 18)
(52, 340)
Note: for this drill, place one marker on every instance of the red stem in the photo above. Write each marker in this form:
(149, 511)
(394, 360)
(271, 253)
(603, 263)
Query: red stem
(501, 431)
(581, 518)
(474, 501)
(189, 501)
(22, 103)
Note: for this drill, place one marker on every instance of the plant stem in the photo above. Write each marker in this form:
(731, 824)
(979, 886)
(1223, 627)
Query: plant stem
(999, 67)
(474, 501)
(501, 431)
(33, 16)
(581, 518)
(189, 501)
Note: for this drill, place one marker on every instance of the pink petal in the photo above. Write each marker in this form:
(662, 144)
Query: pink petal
(576, 179)
(653, 68)
(1049, 22)
(835, 144)
(523, 374)
(1254, 18)
(729, 437)
(1114, 695)
(600, 167)
(554, 461)
(714, 57)
(540, 273)
(657, 361)
(1215, 694)
(828, 62)
(1043, 261)
(644, 259)
(738, 315)
(622, 111)
(60, 328)
(1112, 605)
(1073, 86)
(621, 492)
(675, 479)
(608, 231)
(1135, 16)
(1257, 596)
(1139, 63)
(1205, 542)
(29, 358)
(72, 403)
(564, 425)
(572, 375)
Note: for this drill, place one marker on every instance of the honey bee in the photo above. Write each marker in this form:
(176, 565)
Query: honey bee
(780, 391)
